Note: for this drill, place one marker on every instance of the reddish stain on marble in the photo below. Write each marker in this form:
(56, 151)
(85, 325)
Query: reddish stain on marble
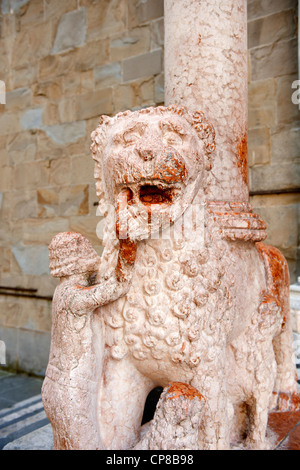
(178, 389)
(242, 157)
(286, 427)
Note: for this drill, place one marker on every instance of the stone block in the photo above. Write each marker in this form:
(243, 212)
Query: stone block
(9, 123)
(32, 119)
(149, 9)
(159, 89)
(285, 145)
(31, 13)
(259, 8)
(56, 65)
(50, 114)
(5, 255)
(60, 172)
(5, 47)
(34, 42)
(271, 29)
(261, 93)
(34, 347)
(111, 18)
(146, 92)
(262, 117)
(259, 146)
(31, 175)
(87, 226)
(74, 200)
(91, 55)
(6, 178)
(54, 9)
(287, 111)
(4, 158)
(274, 177)
(24, 76)
(5, 232)
(157, 34)
(66, 110)
(274, 60)
(143, 65)
(136, 94)
(23, 204)
(108, 75)
(125, 97)
(35, 314)
(22, 147)
(40, 231)
(134, 42)
(66, 133)
(71, 31)
(10, 338)
(282, 223)
(76, 83)
(32, 259)
(48, 149)
(94, 104)
(48, 202)
(82, 169)
(18, 99)
(50, 89)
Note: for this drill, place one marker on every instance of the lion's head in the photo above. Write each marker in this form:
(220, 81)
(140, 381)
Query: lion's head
(152, 163)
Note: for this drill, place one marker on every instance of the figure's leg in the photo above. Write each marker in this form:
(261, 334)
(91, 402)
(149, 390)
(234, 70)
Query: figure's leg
(122, 398)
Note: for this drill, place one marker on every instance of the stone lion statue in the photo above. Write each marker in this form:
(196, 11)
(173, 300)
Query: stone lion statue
(207, 305)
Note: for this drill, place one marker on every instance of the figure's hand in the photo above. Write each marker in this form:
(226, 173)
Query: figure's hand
(127, 247)
(122, 215)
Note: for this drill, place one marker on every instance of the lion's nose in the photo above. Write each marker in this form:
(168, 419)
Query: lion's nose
(145, 153)
(148, 148)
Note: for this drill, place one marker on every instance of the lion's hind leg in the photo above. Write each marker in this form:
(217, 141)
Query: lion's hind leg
(286, 393)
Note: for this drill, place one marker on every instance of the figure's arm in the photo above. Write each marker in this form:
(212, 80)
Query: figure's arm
(85, 299)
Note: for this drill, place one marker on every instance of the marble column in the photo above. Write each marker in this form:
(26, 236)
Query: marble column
(206, 70)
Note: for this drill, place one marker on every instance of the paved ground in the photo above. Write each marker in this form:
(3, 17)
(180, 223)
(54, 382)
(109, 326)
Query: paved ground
(23, 422)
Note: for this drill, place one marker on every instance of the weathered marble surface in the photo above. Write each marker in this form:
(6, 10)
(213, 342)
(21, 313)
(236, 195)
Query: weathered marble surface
(207, 309)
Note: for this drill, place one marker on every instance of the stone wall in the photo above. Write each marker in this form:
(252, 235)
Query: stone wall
(64, 63)
(274, 139)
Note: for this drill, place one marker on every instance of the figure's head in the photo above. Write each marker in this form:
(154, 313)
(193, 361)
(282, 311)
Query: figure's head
(70, 253)
(154, 157)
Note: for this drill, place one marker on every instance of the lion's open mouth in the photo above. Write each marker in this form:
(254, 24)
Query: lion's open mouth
(151, 194)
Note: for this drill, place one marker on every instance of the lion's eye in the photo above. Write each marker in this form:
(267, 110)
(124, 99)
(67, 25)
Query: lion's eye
(172, 138)
(131, 138)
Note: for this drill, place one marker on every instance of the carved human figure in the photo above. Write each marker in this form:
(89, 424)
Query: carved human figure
(70, 388)
(193, 295)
